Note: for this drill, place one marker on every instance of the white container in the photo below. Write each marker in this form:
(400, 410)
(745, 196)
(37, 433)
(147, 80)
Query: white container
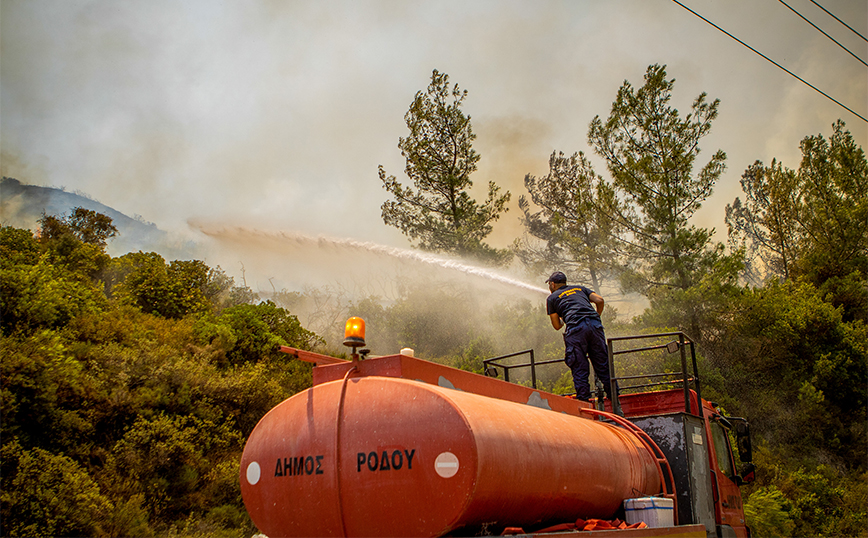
(654, 511)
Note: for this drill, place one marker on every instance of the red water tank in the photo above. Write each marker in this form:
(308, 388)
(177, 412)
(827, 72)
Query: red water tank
(378, 456)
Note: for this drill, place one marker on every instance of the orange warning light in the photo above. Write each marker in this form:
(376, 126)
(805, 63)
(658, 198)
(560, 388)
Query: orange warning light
(354, 334)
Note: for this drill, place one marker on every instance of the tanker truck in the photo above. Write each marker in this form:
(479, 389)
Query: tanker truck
(398, 446)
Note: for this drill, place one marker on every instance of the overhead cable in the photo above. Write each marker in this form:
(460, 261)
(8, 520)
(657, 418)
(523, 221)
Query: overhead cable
(839, 20)
(824, 33)
(797, 77)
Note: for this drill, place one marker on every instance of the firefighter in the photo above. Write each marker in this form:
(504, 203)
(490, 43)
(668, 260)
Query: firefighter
(579, 308)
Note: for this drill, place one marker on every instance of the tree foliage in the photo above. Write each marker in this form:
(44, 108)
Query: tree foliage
(577, 234)
(174, 289)
(792, 497)
(810, 223)
(650, 152)
(250, 332)
(834, 199)
(439, 211)
(46, 494)
(86, 225)
(809, 360)
(125, 414)
(35, 292)
(767, 512)
(765, 223)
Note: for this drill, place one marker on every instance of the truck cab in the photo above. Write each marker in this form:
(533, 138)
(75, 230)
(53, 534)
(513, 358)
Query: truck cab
(698, 448)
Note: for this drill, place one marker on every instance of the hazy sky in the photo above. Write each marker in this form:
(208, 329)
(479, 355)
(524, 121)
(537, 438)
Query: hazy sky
(275, 114)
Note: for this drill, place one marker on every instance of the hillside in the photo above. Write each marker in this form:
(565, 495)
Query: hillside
(22, 205)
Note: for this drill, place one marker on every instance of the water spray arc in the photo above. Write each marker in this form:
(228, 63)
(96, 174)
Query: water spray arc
(240, 233)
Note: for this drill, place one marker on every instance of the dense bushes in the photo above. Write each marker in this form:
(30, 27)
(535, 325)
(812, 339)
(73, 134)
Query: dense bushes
(128, 388)
(797, 367)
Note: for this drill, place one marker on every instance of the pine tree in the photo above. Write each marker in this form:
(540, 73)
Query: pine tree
(576, 234)
(438, 211)
(650, 152)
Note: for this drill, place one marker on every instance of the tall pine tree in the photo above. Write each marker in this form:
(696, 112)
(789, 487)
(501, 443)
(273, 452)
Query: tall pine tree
(438, 210)
(650, 152)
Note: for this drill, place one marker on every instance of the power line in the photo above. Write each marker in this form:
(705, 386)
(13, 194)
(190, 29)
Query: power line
(824, 33)
(797, 77)
(839, 20)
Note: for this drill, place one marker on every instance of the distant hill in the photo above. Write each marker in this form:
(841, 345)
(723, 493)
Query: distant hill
(22, 206)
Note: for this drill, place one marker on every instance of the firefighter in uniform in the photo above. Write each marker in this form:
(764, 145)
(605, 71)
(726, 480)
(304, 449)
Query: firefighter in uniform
(579, 308)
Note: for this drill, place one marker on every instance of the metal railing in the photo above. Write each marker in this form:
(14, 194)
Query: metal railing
(683, 377)
(490, 365)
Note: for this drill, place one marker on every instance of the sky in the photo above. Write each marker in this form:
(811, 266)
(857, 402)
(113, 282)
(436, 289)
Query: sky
(274, 115)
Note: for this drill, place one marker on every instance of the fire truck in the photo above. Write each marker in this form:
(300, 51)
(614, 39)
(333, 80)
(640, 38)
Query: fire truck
(398, 446)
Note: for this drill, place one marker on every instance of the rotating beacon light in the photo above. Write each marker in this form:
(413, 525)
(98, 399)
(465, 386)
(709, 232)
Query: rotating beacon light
(354, 333)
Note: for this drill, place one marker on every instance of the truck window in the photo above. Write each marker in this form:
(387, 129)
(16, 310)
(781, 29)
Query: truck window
(721, 449)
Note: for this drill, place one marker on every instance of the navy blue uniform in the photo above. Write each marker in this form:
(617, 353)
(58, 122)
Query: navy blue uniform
(583, 337)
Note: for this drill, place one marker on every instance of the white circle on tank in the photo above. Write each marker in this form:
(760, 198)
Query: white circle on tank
(253, 473)
(446, 464)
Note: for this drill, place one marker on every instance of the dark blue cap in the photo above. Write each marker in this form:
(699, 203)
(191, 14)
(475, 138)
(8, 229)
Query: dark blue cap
(558, 278)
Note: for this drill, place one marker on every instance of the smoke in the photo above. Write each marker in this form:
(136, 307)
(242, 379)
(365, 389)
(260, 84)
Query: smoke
(276, 114)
